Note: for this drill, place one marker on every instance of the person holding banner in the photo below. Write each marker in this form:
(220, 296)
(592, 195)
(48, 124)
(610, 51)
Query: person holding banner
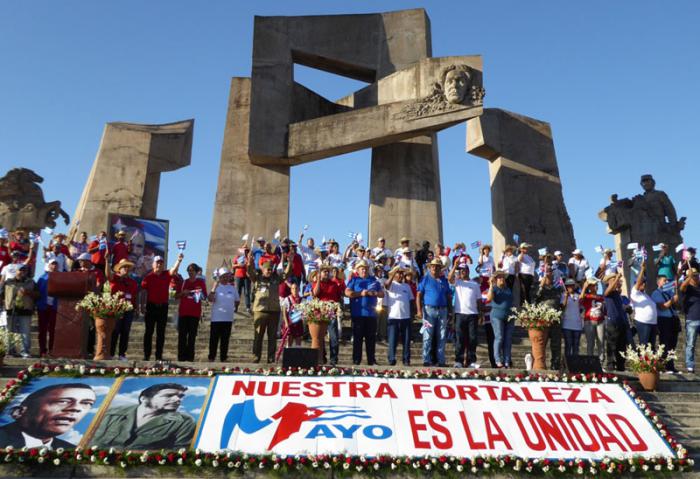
(500, 296)
(433, 299)
(667, 320)
(224, 298)
(191, 294)
(363, 291)
(691, 308)
(154, 301)
(617, 323)
(121, 282)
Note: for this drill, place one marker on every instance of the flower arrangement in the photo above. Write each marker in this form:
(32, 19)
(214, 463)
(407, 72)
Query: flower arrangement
(8, 340)
(105, 305)
(536, 316)
(318, 311)
(644, 359)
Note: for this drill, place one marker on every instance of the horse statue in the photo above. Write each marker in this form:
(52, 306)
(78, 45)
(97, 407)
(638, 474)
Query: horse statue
(22, 202)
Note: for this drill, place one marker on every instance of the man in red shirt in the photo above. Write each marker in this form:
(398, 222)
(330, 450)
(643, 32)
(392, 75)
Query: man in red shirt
(297, 264)
(120, 249)
(98, 249)
(191, 292)
(155, 294)
(20, 243)
(328, 289)
(240, 274)
(5, 258)
(122, 283)
(269, 256)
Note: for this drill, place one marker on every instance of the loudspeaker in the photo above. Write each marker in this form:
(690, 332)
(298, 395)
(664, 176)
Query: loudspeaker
(300, 358)
(583, 364)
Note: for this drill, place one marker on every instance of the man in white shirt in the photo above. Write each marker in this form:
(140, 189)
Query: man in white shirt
(381, 249)
(405, 259)
(645, 313)
(55, 254)
(578, 265)
(308, 252)
(468, 304)
(224, 297)
(526, 274)
(398, 299)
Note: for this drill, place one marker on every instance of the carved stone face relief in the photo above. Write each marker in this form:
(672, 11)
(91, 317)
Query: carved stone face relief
(456, 85)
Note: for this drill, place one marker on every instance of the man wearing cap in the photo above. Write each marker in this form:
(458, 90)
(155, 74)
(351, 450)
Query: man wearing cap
(155, 293)
(326, 289)
(691, 308)
(98, 249)
(363, 291)
(121, 282)
(21, 244)
(509, 264)
(404, 243)
(46, 306)
(616, 324)
(56, 254)
(550, 293)
(468, 305)
(258, 249)
(224, 298)
(381, 249)
(20, 296)
(398, 299)
(526, 274)
(360, 255)
(431, 304)
(266, 305)
(120, 250)
(560, 268)
(578, 265)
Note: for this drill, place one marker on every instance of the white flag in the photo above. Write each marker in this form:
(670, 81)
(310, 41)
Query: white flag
(278, 234)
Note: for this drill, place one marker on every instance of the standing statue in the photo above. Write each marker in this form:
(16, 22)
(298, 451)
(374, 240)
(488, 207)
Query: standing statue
(647, 219)
(22, 202)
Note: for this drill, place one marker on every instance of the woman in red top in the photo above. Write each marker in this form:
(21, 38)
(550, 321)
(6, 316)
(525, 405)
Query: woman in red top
(122, 282)
(593, 317)
(191, 294)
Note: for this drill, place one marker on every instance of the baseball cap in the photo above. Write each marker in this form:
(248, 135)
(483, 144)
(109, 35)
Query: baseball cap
(156, 259)
(558, 253)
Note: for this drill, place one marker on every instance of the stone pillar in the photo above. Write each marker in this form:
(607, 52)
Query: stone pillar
(249, 198)
(405, 192)
(526, 191)
(125, 177)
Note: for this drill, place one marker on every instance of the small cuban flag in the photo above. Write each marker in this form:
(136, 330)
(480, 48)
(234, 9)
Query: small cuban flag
(351, 235)
(3, 233)
(181, 245)
(516, 238)
(197, 293)
(669, 287)
(48, 231)
(278, 234)
(306, 227)
(34, 238)
(634, 246)
(542, 251)
(358, 237)
(599, 249)
(245, 237)
(103, 243)
(241, 259)
(295, 316)
(476, 245)
(656, 248)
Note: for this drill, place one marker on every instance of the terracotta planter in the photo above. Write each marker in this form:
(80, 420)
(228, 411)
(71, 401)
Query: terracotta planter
(103, 337)
(649, 380)
(538, 341)
(317, 331)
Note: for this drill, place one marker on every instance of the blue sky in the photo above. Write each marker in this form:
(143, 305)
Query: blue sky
(617, 81)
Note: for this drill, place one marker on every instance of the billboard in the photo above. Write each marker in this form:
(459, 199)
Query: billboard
(416, 417)
(148, 237)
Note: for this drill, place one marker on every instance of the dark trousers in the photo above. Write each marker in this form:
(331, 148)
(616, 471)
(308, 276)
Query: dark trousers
(333, 341)
(572, 339)
(219, 335)
(156, 318)
(265, 321)
(364, 328)
(526, 281)
(120, 335)
(186, 337)
(243, 286)
(510, 281)
(555, 346)
(489, 340)
(399, 329)
(47, 327)
(465, 337)
(646, 333)
(615, 343)
(668, 336)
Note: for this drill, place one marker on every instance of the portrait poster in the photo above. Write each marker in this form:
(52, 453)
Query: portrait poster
(148, 238)
(168, 407)
(53, 412)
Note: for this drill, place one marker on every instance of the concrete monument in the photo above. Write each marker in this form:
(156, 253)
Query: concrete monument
(22, 202)
(125, 177)
(274, 123)
(647, 219)
(526, 190)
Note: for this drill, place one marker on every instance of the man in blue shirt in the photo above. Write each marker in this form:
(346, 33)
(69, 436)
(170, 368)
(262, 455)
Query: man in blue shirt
(432, 299)
(691, 307)
(668, 323)
(616, 324)
(363, 291)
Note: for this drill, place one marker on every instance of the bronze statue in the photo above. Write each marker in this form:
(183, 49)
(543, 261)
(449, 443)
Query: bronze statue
(22, 202)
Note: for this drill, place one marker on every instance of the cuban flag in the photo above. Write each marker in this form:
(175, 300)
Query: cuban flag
(295, 316)
(154, 234)
(476, 245)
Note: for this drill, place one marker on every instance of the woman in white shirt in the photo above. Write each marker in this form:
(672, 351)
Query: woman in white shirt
(398, 300)
(526, 274)
(225, 299)
(485, 266)
(645, 314)
(508, 264)
(578, 265)
(572, 322)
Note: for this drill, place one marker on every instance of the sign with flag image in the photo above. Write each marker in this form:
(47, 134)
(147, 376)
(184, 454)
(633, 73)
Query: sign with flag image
(370, 416)
(148, 238)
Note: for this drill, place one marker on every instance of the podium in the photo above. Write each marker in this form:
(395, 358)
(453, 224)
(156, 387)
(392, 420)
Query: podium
(72, 327)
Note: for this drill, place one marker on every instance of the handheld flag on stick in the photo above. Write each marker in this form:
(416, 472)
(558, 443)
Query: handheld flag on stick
(680, 247)
(306, 227)
(295, 317)
(516, 238)
(476, 245)
(358, 237)
(599, 249)
(181, 245)
(245, 237)
(197, 293)
(103, 243)
(48, 231)
(656, 247)
(632, 246)
(542, 251)
(278, 234)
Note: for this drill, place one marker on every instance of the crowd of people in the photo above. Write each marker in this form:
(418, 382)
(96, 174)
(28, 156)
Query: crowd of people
(446, 291)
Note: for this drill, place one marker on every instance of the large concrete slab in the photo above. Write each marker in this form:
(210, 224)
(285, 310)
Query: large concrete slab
(526, 191)
(249, 198)
(125, 177)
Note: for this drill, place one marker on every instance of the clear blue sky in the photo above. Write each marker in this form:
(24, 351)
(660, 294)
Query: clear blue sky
(617, 81)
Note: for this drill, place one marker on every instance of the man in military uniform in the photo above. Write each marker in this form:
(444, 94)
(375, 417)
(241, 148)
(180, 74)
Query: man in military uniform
(153, 423)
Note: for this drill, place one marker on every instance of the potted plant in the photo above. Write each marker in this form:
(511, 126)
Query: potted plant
(318, 314)
(648, 363)
(537, 319)
(8, 342)
(105, 308)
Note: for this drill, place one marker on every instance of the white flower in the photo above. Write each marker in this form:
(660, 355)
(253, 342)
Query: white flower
(198, 462)
(56, 462)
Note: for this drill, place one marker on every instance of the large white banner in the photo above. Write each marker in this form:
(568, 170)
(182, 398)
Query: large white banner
(373, 416)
